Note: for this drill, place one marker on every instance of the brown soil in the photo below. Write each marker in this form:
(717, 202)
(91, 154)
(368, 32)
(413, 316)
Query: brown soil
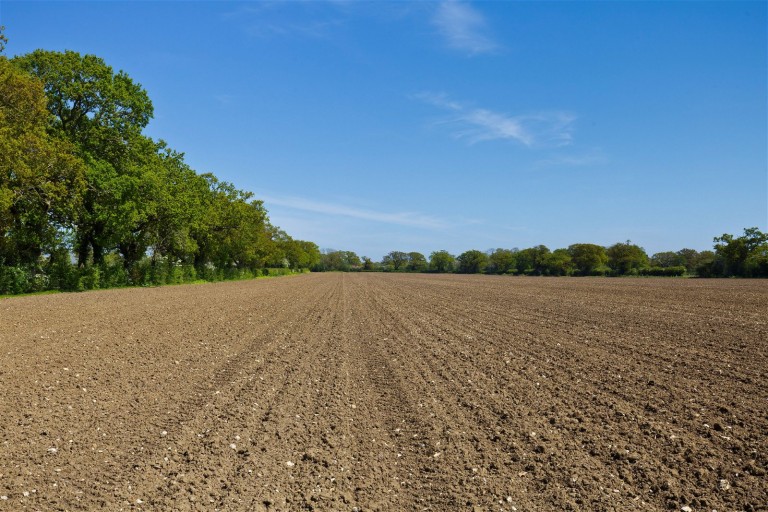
(388, 392)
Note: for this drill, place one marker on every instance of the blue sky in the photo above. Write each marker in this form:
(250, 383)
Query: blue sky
(373, 126)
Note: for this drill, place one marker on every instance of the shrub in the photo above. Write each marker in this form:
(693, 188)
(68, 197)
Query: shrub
(113, 273)
(14, 280)
(175, 273)
(663, 271)
(89, 278)
(188, 272)
(39, 282)
(62, 274)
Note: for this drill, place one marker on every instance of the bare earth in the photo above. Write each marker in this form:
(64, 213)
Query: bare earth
(388, 392)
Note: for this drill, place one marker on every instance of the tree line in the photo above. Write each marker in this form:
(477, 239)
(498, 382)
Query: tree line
(742, 256)
(88, 201)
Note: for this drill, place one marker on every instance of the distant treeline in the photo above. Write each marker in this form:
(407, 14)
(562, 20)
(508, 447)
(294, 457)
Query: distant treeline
(743, 256)
(88, 201)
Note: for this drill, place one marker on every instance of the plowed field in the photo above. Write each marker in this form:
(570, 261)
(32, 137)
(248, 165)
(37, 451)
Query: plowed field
(388, 392)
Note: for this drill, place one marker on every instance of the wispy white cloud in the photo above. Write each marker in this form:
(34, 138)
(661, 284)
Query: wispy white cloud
(412, 219)
(463, 27)
(480, 124)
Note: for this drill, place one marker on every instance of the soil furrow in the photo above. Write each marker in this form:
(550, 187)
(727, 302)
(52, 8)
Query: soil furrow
(388, 392)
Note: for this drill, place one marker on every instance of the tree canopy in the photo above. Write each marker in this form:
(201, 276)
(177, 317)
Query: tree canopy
(743, 256)
(94, 106)
(441, 262)
(471, 262)
(395, 261)
(588, 259)
(417, 262)
(502, 261)
(78, 176)
(626, 258)
(746, 255)
(41, 177)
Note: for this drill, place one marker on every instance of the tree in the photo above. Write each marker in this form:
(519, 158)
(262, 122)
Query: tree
(746, 255)
(234, 231)
(532, 261)
(180, 212)
(757, 262)
(331, 260)
(588, 259)
(301, 254)
(102, 113)
(395, 261)
(502, 261)
(472, 262)
(558, 263)
(130, 209)
(91, 104)
(77, 174)
(353, 260)
(689, 258)
(441, 262)
(626, 258)
(41, 178)
(667, 259)
(343, 261)
(708, 265)
(417, 262)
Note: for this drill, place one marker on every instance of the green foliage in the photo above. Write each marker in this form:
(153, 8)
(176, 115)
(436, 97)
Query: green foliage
(62, 275)
(690, 259)
(89, 279)
(671, 271)
(368, 264)
(588, 259)
(113, 273)
(441, 262)
(472, 262)
(399, 261)
(344, 261)
(301, 254)
(395, 261)
(748, 253)
(14, 280)
(626, 258)
(533, 261)
(417, 262)
(745, 256)
(93, 106)
(78, 176)
(275, 272)
(667, 259)
(558, 263)
(709, 265)
(353, 260)
(756, 264)
(502, 261)
(41, 180)
(102, 114)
